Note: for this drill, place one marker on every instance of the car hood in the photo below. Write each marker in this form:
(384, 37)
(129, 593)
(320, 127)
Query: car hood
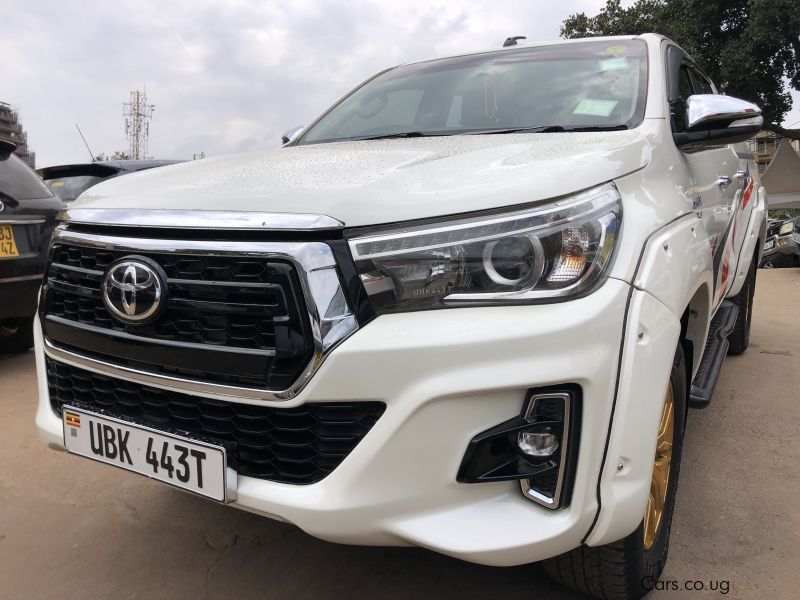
(385, 181)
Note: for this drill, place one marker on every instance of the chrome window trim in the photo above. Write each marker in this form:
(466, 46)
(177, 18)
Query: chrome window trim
(546, 501)
(199, 219)
(309, 259)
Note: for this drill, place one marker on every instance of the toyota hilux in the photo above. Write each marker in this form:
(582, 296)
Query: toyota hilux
(466, 309)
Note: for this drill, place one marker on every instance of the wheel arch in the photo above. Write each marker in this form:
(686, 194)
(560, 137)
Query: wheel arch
(695, 321)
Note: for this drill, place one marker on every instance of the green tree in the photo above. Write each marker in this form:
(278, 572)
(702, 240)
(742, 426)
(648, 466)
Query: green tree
(749, 48)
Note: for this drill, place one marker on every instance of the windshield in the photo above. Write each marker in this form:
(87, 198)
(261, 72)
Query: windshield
(584, 85)
(69, 188)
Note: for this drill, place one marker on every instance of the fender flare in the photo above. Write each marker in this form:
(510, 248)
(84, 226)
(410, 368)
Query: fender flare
(753, 245)
(674, 273)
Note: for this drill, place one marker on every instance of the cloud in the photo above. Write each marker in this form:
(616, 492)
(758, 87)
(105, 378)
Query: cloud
(225, 77)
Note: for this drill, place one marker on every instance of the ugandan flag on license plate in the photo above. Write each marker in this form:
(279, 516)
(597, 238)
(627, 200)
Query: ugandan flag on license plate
(73, 420)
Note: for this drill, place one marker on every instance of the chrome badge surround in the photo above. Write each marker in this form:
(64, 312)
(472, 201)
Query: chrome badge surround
(331, 319)
(133, 290)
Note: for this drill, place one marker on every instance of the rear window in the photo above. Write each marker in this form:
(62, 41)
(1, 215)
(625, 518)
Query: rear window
(69, 188)
(19, 182)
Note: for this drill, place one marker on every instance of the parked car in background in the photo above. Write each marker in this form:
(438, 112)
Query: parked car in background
(70, 181)
(782, 244)
(466, 309)
(27, 216)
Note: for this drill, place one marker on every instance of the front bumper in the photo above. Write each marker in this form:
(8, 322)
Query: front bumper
(783, 246)
(445, 376)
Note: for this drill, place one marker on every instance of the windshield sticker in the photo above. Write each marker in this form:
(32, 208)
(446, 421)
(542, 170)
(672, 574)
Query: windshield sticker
(595, 108)
(614, 64)
(615, 50)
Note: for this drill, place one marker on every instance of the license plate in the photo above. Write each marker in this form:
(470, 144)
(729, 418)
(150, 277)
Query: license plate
(188, 464)
(8, 247)
(769, 245)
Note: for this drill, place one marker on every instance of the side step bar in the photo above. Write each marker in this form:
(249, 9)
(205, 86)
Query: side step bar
(713, 355)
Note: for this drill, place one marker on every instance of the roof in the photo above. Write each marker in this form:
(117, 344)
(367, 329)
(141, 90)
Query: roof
(521, 45)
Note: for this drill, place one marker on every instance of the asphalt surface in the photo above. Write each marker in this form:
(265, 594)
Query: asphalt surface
(70, 528)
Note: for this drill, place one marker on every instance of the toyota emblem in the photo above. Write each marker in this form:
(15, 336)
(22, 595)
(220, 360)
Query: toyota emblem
(134, 289)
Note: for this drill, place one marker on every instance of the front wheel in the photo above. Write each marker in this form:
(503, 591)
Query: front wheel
(629, 568)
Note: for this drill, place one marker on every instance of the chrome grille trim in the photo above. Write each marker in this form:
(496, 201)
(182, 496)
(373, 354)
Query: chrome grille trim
(199, 219)
(322, 292)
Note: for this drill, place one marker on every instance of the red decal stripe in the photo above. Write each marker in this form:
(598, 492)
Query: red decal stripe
(747, 193)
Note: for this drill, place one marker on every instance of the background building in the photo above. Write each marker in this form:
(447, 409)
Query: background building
(11, 129)
(778, 162)
(764, 146)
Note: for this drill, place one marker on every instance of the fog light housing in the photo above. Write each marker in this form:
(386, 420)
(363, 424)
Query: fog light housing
(538, 448)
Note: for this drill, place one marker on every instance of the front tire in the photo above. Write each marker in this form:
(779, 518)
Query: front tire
(739, 338)
(628, 569)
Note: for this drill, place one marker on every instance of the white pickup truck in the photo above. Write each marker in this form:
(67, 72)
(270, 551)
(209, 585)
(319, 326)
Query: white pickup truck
(465, 309)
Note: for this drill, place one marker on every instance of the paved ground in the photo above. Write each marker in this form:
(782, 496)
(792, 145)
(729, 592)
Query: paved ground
(72, 529)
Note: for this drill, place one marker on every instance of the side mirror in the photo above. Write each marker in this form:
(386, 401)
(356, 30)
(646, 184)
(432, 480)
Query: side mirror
(291, 134)
(714, 120)
(7, 148)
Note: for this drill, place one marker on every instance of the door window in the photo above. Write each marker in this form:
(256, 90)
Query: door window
(700, 82)
(678, 107)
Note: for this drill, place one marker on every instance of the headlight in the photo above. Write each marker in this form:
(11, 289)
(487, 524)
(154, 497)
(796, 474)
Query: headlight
(787, 227)
(552, 251)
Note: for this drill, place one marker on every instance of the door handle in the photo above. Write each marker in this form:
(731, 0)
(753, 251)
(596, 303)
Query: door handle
(724, 181)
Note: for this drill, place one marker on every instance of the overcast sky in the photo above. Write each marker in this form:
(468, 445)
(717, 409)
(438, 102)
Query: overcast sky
(227, 76)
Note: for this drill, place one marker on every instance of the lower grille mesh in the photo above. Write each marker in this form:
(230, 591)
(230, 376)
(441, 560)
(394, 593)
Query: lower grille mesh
(294, 445)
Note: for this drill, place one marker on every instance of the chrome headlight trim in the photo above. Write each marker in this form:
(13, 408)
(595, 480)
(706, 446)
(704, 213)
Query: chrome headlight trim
(381, 256)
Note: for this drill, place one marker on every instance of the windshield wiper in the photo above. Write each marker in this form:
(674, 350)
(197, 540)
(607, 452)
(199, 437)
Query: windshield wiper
(546, 129)
(400, 135)
(540, 129)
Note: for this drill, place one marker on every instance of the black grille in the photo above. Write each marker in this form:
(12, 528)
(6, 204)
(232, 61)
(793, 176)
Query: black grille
(226, 302)
(774, 228)
(294, 445)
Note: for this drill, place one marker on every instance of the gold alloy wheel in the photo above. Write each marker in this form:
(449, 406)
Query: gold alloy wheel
(659, 484)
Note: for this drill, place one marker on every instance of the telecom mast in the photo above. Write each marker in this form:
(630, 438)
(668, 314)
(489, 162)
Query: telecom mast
(137, 115)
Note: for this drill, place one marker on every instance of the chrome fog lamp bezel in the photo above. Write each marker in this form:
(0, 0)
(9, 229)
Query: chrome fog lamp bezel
(494, 455)
(553, 502)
